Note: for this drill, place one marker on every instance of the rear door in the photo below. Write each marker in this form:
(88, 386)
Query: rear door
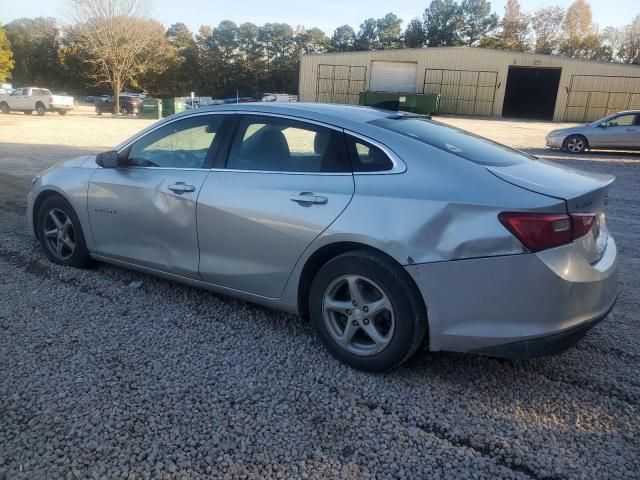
(281, 183)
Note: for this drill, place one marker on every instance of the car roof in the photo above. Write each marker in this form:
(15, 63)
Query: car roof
(334, 114)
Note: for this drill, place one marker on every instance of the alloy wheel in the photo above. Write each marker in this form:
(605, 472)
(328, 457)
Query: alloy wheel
(59, 234)
(575, 145)
(358, 315)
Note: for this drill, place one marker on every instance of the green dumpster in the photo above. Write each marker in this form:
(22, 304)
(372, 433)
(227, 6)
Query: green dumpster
(172, 105)
(423, 103)
(151, 108)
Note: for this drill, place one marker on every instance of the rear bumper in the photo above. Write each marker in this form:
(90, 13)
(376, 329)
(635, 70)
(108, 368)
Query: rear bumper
(516, 306)
(543, 346)
(60, 106)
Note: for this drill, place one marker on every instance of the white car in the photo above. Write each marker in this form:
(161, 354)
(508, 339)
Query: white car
(41, 100)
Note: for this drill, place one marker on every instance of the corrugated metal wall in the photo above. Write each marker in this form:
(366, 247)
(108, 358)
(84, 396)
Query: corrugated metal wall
(472, 80)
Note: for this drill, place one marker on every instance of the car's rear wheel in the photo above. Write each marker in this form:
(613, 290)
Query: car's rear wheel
(4, 108)
(40, 110)
(124, 111)
(367, 311)
(60, 233)
(575, 144)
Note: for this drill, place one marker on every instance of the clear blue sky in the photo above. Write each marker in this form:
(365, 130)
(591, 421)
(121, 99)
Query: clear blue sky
(324, 14)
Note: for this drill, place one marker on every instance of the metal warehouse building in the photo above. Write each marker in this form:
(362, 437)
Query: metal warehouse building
(477, 81)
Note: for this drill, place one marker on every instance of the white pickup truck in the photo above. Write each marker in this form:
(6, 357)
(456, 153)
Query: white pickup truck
(29, 99)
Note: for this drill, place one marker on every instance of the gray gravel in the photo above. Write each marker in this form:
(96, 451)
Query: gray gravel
(106, 373)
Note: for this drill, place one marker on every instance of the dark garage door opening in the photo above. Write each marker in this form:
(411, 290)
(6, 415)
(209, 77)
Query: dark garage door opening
(531, 92)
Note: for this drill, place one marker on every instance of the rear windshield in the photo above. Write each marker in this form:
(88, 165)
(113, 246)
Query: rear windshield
(453, 140)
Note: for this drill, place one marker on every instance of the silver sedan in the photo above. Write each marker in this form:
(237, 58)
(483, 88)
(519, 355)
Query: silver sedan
(391, 232)
(620, 131)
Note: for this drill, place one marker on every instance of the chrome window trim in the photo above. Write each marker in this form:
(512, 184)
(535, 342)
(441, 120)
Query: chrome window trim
(189, 169)
(277, 172)
(398, 165)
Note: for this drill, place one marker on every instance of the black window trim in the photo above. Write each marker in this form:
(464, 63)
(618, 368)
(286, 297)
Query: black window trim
(398, 165)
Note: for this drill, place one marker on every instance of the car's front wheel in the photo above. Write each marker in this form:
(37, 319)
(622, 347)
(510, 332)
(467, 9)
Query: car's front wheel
(367, 311)
(575, 144)
(60, 233)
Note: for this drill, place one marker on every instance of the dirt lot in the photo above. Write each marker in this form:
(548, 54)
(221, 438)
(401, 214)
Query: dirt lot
(106, 373)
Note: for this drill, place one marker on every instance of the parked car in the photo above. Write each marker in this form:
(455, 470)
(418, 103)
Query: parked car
(128, 105)
(33, 98)
(620, 131)
(97, 98)
(391, 231)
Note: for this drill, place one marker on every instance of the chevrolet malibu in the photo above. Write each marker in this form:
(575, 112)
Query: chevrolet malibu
(389, 231)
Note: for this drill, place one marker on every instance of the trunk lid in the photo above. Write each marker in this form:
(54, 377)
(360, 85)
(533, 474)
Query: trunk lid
(583, 193)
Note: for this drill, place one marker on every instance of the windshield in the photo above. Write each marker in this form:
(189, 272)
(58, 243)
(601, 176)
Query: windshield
(453, 140)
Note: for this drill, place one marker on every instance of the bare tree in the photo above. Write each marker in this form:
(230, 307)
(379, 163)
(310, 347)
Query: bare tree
(629, 50)
(119, 41)
(547, 26)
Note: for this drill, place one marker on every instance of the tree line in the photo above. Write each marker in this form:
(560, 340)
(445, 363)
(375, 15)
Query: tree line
(109, 49)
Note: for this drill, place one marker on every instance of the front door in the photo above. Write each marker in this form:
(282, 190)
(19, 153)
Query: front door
(616, 132)
(145, 212)
(284, 183)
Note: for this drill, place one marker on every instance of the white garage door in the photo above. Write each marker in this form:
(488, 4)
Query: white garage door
(393, 77)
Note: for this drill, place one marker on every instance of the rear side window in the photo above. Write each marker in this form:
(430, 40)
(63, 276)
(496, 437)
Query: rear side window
(273, 144)
(453, 140)
(366, 157)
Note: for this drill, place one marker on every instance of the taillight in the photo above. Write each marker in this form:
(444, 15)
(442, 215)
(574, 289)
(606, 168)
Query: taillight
(539, 231)
(582, 224)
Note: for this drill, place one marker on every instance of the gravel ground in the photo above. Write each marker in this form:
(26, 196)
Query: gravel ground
(106, 373)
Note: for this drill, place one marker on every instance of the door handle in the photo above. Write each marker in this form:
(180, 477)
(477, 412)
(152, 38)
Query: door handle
(181, 187)
(309, 198)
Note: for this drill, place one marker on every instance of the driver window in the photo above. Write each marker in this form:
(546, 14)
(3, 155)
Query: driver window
(622, 121)
(181, 144)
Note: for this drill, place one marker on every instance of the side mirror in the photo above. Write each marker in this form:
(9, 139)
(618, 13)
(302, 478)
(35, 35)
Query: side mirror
(108, 159)
(604, 125)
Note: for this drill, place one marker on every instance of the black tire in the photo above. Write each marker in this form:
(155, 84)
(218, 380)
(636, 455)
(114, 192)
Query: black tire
(4, 108)
(575, 144)
(409, 311)
(40, 109)
(80, 255)
(62, 112)
(98, 111)
(124, 111)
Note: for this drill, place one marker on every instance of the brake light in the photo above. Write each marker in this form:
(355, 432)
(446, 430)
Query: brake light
(539, 231)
